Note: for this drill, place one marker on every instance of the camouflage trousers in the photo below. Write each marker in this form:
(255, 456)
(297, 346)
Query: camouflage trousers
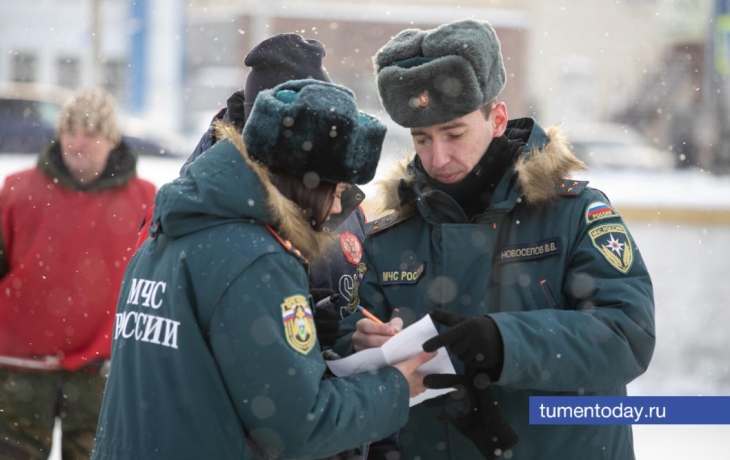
(30, 401)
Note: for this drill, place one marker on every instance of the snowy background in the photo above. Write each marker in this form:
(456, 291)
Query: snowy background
(646, 63)
(690, 269)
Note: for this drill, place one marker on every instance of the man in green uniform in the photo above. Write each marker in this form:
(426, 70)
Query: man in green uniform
(534, 278)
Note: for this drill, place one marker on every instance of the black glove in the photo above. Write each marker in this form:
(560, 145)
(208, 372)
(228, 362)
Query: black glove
(479, 418)
(320, 294)
(326, 319)
(327, 323)
(475, 340)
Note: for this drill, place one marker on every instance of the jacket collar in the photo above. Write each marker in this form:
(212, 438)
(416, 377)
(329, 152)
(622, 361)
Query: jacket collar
(120, 168)
(545, 161)
(351, 199)
(282, 214)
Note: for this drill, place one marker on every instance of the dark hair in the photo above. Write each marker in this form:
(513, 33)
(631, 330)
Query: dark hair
(486, 109)
(314, 201)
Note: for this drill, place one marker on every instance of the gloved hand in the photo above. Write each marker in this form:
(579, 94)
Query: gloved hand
(326, 319)
(479, 418)
(327, 322)
(319, 294)
(475, 340)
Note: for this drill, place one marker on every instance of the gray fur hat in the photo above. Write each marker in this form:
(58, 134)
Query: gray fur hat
(430, 77)
(310, 126)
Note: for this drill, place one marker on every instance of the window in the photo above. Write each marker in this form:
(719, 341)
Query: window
(25, 66)
(69, 72)
(115, 79)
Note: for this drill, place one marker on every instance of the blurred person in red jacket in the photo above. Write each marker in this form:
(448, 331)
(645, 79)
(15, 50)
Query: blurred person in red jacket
(67, 231)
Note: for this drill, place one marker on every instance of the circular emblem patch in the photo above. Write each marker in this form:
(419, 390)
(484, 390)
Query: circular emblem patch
(351, 247)
(423, 99)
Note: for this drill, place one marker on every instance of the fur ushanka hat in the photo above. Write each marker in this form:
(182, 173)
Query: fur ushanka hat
(430, 77)
(309, 126)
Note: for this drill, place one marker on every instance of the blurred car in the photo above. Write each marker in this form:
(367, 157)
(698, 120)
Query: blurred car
(28, 116)
(615, 146)
(29, 112)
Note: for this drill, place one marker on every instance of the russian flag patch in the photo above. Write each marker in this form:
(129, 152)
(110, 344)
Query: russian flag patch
(599, 210)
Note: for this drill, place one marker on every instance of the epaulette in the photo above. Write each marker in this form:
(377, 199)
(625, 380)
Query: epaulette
(288, 246)
(387, 221)
(571, 187)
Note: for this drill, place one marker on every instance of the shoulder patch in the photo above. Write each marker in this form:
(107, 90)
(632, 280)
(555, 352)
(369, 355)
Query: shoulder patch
(614, 244)
(385, 222)
(298, 323)
(571, 187)
(599, 210)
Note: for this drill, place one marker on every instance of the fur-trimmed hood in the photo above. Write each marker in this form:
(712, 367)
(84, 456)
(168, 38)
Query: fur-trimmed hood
(225, 184)
(545, 162)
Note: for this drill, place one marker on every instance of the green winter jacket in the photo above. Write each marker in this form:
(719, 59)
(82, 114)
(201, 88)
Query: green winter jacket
(215, 353)
(555, 267)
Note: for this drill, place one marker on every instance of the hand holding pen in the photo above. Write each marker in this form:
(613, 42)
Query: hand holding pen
(371, 332)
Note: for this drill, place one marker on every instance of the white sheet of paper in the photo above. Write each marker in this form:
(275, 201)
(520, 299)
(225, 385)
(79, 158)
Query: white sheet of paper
(406, 344)
(363, 361)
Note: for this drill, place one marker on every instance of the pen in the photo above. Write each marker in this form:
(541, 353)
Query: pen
(368, 315)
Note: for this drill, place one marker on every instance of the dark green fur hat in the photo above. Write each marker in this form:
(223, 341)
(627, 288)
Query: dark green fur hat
(431, 77)
(310, 126)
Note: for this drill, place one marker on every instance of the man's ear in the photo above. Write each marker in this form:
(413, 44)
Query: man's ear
(499, 118)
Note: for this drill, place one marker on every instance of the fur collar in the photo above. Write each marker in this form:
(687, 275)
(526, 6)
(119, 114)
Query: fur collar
(287, 219)
(539, 174)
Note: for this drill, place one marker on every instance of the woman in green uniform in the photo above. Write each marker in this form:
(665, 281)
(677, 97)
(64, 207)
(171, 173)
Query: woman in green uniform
(215, 352)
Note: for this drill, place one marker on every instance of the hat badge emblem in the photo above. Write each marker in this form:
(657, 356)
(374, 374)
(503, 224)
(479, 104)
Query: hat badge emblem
(423, 99)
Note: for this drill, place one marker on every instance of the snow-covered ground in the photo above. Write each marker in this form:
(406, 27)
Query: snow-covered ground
(689, 188)
(690, 269)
